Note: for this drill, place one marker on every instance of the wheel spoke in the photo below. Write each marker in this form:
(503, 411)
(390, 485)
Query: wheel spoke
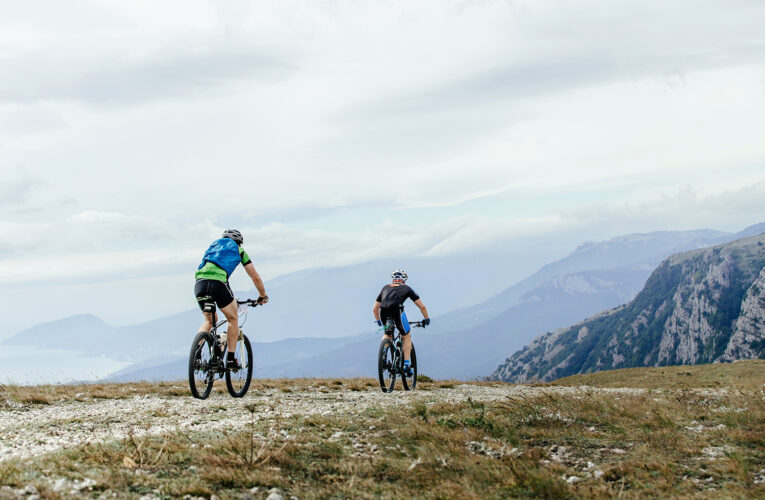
(201, 368)
(238, 381)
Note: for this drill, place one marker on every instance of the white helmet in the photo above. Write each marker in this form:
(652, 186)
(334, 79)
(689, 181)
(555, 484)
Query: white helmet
(399, 275)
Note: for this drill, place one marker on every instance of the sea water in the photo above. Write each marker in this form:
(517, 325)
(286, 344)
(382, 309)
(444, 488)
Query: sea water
(27, 365)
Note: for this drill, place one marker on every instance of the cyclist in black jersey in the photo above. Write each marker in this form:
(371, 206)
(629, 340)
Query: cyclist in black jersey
(390, 305)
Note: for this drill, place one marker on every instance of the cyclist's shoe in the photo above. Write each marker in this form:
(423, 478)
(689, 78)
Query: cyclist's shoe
(408, 369)
(233, 364)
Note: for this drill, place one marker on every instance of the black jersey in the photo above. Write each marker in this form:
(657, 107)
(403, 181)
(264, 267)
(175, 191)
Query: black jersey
(394, 296)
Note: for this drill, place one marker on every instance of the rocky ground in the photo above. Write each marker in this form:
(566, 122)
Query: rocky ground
(29, 430)
(348, 439)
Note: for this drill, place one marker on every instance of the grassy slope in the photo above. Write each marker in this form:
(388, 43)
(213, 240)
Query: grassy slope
(744, 375)
(667, 442)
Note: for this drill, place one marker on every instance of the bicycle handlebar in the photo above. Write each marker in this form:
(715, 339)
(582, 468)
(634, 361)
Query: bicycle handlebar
(249, 302)
(414, 324)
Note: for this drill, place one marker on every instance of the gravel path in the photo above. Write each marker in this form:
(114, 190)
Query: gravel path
(30, 431)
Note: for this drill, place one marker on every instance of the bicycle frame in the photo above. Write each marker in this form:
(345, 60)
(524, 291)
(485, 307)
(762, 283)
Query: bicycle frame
(218, 354)
(203, 372)
(398, 351)
(390, 359)
(217, 324)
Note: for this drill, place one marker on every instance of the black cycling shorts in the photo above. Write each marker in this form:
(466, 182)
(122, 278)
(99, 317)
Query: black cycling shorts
(213, 291)
(393, 314)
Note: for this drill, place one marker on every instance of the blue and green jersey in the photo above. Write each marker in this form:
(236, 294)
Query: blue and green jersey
(210, 271)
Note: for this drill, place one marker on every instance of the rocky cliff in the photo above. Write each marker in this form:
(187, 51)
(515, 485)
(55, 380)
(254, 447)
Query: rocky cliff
(702, 306)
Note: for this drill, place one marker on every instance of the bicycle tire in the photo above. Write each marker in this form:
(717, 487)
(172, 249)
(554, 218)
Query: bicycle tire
(201, 377)
(234, 379)
(385, 365)
(411, 383)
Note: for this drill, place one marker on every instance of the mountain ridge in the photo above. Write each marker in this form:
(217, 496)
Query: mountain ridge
(687, 313)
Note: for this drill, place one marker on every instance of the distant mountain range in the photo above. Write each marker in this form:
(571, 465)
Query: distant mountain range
(471, 342)
(637, 250)
(267, 356)
(310, 306)
(701, 306)
(318, 303)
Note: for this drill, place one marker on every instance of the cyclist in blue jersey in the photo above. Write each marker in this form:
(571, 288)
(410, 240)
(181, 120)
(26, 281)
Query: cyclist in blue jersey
(219, 261)
(390, 305)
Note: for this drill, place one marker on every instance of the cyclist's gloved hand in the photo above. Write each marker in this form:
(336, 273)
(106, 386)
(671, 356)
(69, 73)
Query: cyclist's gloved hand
(425, 322)
(379, 322)
(263, 299)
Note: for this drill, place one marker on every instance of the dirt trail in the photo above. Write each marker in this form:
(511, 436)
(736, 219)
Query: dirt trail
(31, 430)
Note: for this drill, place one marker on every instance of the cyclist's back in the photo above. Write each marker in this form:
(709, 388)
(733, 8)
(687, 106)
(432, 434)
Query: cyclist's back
(218, 262)
(389, 306)
(393, 296)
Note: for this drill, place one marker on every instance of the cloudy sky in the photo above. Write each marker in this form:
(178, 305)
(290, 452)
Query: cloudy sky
(336, 132)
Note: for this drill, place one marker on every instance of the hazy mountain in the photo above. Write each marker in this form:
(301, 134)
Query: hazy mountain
(90, 335)
(472, 353)
(642, 250)
(465, 355)
(752, 230)
(475, 352)
(84, 330)
(333, 302)
(265, 356)
(701, 306)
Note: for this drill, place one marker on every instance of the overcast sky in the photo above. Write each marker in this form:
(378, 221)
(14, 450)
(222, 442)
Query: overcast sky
(335, 132)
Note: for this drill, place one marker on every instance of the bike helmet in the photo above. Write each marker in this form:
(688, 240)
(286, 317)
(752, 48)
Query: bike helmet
(399, 275)
(234, 235)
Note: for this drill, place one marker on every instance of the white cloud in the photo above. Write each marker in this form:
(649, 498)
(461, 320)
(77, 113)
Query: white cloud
(16, 188)
(133, 133)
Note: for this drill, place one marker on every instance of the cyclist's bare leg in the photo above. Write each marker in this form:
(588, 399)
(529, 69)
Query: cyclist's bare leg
(407, 344)
(232, 315)
(207, 324)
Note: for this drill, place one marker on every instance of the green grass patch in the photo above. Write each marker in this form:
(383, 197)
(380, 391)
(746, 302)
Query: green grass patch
(745, 375)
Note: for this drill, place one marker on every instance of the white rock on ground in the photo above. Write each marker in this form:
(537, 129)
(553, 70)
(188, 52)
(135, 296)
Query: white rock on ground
(31, 430)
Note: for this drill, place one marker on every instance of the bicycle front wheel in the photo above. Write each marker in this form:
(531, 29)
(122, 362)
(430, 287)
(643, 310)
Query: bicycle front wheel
(411, 382)
(238, 381)
(201, 371)
(386, 366)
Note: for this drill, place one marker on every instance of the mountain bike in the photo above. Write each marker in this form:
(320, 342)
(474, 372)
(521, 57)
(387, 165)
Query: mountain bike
(207, 359)
(390, 359)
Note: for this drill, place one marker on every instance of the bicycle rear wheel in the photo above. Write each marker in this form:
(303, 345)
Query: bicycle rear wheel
(386, 367)
(201, 371)
(238, 381)
(410, 382)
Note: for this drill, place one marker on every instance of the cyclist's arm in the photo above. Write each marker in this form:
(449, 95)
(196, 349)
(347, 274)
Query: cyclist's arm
(423, 309)
(255, 277)
(376, 311)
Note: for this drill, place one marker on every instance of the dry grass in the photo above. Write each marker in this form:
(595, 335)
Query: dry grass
(744, 375)
(548, 443)
(633, 445)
